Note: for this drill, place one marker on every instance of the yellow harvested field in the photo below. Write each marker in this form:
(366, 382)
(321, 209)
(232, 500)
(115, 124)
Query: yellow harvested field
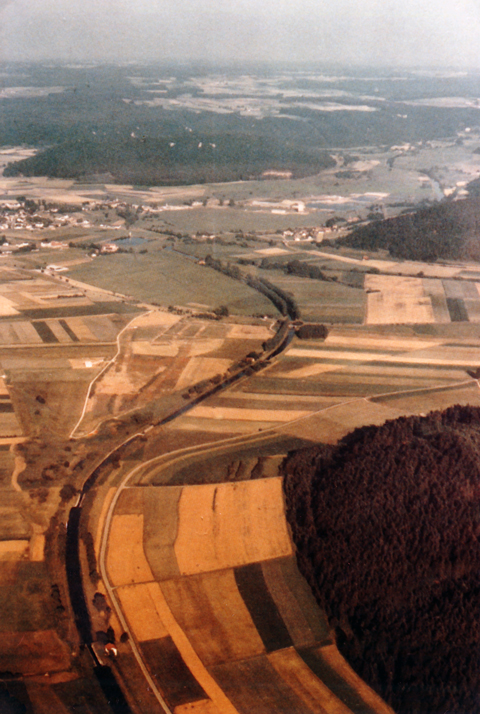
(13, 549)
(155, 350)
(316, 695)
(231, 524)
(203, 706)
(156, 318)
(189, 655)
(249, 332)
(219, 427)
(139, 608)
(203, 607)
(382, 357)
(385, 342)
(199, 368)
(126, 561)
(310, 371)
(37, 548)
(6, 307)
(397, 300)
(232, 413)
(79, 327)
(334, 659)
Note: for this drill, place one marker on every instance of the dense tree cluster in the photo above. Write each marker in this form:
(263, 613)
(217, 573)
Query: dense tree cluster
(295, 267)
(448, 230)
(387, 528)
(174, 159)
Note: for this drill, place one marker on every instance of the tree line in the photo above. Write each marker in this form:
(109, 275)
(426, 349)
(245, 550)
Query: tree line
(448, 230)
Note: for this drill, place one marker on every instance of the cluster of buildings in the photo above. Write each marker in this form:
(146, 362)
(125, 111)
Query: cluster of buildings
(15, 215)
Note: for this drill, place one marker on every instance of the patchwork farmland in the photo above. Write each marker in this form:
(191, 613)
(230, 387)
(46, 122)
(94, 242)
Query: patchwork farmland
(186, 558)
(276, 652)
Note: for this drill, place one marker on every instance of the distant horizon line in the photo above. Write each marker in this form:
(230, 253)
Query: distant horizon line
(229, 63)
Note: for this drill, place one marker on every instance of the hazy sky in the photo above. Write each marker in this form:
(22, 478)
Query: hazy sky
(398, 32)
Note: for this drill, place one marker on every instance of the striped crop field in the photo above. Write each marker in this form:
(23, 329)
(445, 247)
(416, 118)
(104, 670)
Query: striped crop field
(216, 604)
(393, 300)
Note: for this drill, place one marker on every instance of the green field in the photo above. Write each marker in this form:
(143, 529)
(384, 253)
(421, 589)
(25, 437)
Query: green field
(216, 220)
(170, 279)
(321, 301)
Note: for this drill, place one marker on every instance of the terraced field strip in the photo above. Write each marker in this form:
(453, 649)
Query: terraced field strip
(138, 604)
(203, 606)
(332, 658)
(127, 565)
(230, 413)
(329, 666)
(313, 692)
(386, 343)
(219, 525)
(160, 506)
(227, 427)
(381, 357)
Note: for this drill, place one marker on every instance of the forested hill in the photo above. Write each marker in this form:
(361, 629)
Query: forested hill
(387, 529)
(182, 159)
(449, 230)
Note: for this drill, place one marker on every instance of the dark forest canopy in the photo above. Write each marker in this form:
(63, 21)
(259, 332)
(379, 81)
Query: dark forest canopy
(448, 230)
(178, 159)
(387, 529)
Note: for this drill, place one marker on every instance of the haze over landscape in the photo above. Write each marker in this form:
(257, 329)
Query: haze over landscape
(393, 32)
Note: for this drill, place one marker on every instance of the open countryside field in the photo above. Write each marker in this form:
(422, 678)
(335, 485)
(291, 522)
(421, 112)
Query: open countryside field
(321, 301)
(407, 300)
(170, 279)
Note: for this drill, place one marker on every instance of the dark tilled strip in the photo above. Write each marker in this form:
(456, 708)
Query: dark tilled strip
(334, 681)
(457, 310)
(255, 687)
(68, 330)
(45, 332)
(262, 607)
(172, 675)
